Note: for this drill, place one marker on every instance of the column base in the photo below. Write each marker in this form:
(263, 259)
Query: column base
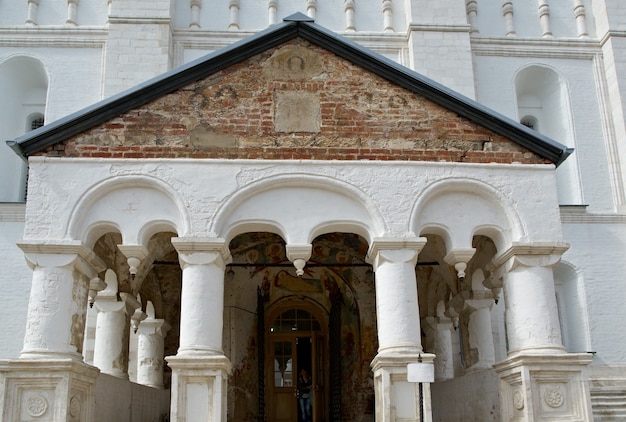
(551, 387)
(51, 390)
(396, 398)
(199, 387)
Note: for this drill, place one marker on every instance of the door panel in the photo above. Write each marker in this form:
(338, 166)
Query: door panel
(283, 407)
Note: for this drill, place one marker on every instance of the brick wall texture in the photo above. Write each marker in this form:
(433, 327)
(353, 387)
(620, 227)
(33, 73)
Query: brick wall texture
(295, 101)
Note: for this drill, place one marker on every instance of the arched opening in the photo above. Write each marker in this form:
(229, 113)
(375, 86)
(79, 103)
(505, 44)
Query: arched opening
(543, 105)
(24, 85)
(332, 308)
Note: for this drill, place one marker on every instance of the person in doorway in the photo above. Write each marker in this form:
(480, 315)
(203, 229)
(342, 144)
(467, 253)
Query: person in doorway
(304, 395)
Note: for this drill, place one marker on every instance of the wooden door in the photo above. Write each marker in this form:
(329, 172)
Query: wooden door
(282, 382)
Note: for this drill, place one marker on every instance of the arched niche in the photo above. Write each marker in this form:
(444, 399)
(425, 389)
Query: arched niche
(543, 105)
(299, 208)
(458, 209)
(137, 206)
(24, 87)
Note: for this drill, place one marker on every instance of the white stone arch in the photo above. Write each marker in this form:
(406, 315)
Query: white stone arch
(457, 209)
(24, 83)
(299, 208)
(542, 97)
(571, 301)
(113, 205)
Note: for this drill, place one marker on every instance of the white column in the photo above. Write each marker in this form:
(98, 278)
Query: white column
(196, 5)
(202, 301)
(471, 8)
(581, 19)
(233, 9)
(532, 320)
(439, 329)
(311, 8)
(272, 11)
(200, 370)
(58, 299)
(387, 16)
(112, 324)
(480, 333)
(150, 350)
(398, 326)
(72, 12)
(348, 7)
(509, 25)
(31, 16)
(544, 18)
(397, 309)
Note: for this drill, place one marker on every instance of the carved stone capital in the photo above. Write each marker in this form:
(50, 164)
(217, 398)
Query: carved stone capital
(63, 254)
(202, 251)
(534, 254)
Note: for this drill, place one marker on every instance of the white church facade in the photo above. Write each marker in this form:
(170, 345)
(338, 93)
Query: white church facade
(202, 199)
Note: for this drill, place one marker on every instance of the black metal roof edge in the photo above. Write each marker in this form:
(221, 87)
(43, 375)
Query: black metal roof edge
(152, 89)
(440, 94)
(294, 25)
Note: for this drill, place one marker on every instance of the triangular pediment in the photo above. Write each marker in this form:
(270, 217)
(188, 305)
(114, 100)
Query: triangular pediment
(294, 91)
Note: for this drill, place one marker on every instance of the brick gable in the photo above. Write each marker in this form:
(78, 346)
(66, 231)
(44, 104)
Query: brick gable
(295, 101)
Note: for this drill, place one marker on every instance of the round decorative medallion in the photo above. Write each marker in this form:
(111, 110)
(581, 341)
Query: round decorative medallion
(553, 397)
(36, 405)
(518, 400)
(74, 407)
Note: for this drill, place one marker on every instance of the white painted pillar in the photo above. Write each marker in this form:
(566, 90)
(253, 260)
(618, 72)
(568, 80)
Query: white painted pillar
(58, 299)
(348, 7)
(200, 370)
(311, 8)
(471, 8)
(233, 9)
(196, 5)
(31, 16)
(397, 309)
(272, 12)
(387, 16)
(532, 320)
(112, 328)
(150, 350)
(544, 18)
(581, 19)
(480, 333)
(49, 381)
(202, 301)
(439, 329)
(72, 12)
(509, 24)
(398, 326)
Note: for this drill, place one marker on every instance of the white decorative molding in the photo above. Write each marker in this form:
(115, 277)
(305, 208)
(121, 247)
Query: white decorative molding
(348, 8)
(581, 19)
(31, 16)
(272, 12)
(233, 12)
(471, 8)
(387, 16)
(72, 12)
(12, 213)
(311, 8)
(196, 5)
(544, 18)
(507, 13)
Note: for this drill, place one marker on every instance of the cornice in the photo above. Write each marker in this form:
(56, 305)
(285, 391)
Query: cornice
(574, 48)
(53, 36)
(612, 34)
(12, 212)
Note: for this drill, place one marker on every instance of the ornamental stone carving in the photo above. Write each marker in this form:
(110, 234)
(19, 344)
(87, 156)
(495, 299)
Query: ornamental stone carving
(553, 397)
(518, 400)
(74, 407)
(36, 405)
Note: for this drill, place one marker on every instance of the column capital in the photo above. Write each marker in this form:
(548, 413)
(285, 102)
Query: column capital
(201, 250)
(62, 254)
(533, 254)
(403, 249)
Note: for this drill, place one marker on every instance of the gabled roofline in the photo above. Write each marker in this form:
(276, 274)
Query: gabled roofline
(296, 25)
